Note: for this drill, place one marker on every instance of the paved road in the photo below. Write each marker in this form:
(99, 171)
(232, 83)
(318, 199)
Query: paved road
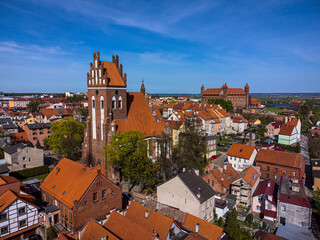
(304, 151)
(219, 161)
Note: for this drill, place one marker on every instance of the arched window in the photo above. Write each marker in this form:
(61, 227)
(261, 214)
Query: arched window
(102, 103)
(93, 103)
(114, 102)
(120, 102)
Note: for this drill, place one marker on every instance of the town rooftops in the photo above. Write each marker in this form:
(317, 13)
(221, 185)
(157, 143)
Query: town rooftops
(250, 175)
(291, 191)
(262, 235)
(149, 219)
(288, 159)
(38, 126)
(9, 197)
(241, 151)
(69, 180)
(139, 117)
(7, 123)
(200, 189)
(202, 227)
(15, 148)
(276, 124)
(7, 179)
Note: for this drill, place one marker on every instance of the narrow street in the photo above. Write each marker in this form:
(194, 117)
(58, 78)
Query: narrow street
(305, 153)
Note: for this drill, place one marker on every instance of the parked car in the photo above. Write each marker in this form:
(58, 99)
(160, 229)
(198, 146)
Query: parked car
(213, 157)
(126, 197)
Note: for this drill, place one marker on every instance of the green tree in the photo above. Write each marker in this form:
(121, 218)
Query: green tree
(165, 158)
(81, 114)
(33, 105)
(66, 138)
(128, 154)
(191, 149)
(220, 222)
(227, 105)
(261, 131)
(250, 218)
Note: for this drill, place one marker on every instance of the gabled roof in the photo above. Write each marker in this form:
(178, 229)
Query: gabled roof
(49, 112)
(38, 125)
(204, 115)
(196, 185)
(7, 179)
(14, 148)
(267, 188)
(294, 160)
(286, 129)
(113, 74)
(241, 151)
(250, 175)
(222, 113)
(93, 230)
(276, 124)
(9, 197)
(125, 228)
(154, 222)
(262, 235)
(69, 180)
(206, 229)
(225, 175)
(139, 117)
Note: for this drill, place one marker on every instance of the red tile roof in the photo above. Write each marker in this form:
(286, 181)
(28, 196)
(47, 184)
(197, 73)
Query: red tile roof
(206, 230)
(113, 74)
(9, 196)
(139, 117)
(267, 188)
(241, 151)
(71, 180)
(154, 222)
(250, 175)
(49, 112)
(126, 228)
(93, 230)
(294, 160)
(286, 129)
(261, 235)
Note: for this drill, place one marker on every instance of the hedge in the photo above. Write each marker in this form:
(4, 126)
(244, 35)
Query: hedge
(296, 148)
(30, 172)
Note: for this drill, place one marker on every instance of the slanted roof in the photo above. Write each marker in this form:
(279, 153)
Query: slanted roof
(9, 197)
(49, 112)
(93, 230)
(196, 185)
(294, 160)
(139, 117)
(225, 175)
(125, 228)
(262, 235)
(13, 149)
(204, 115)
(154, 222)
(69, 180)
(286, 129)
(241, 151)
(113, 74)
(7, 179)
(267, 188)
(250, 175)
(38, 125)
(207, 229)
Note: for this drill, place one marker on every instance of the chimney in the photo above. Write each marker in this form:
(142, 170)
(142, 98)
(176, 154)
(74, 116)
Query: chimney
(57, 170)
(197, 227)
(99, 171)
(120, 70)
(117, 61)
(146, 214)
(269, 184)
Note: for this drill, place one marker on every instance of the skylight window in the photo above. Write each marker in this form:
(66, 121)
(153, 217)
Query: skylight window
(53, 186)
(63, 193)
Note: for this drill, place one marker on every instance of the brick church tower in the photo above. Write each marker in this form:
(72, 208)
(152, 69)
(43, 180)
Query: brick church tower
(107, 97)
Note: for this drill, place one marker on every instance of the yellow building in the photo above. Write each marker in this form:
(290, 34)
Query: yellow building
(177, 128)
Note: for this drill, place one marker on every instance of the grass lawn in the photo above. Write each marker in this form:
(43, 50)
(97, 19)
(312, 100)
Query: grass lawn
(222, 149)
(40, 177)
(272, 109)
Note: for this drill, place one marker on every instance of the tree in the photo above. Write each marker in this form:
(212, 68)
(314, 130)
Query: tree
(81, 114)
(227, 105)
(250, 218)
(33, 105)
(220, 222)
(261, 131)
(191, 149)
(232, 224)
(128, 154)
(165, 158)
(66, 138)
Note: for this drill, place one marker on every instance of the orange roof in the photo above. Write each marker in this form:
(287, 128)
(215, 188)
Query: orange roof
(295, 160)
(241, 151)
(139, 117)
(71, 181)
(214, 115)
(93, 230)
(207, 229)
(250, 175)
(286, 129)
(223, 112)
(113, 74)
(49, 112)
(8, 197)
(154, 222)
(20, 136)
(204, 115)
(236, 91)
(125, 228)
(7, 179)
(226, 176)
(293, 121)
(255, 100)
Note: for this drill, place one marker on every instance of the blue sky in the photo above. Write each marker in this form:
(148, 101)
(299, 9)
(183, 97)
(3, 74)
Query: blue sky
(175, 46)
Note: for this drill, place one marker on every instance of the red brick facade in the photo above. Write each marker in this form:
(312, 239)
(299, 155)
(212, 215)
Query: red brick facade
(37, 132)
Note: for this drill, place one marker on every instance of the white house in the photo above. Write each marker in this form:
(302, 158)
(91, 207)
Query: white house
(241, 156)
(189, 193)
(17, 215)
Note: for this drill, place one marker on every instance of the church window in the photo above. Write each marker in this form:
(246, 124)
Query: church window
(113, 102)
(120, 103)
(93, 104)
(102, 107)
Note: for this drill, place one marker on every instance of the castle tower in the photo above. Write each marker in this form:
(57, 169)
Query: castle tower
(246, 89)
(225, 91)
(107, 97)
